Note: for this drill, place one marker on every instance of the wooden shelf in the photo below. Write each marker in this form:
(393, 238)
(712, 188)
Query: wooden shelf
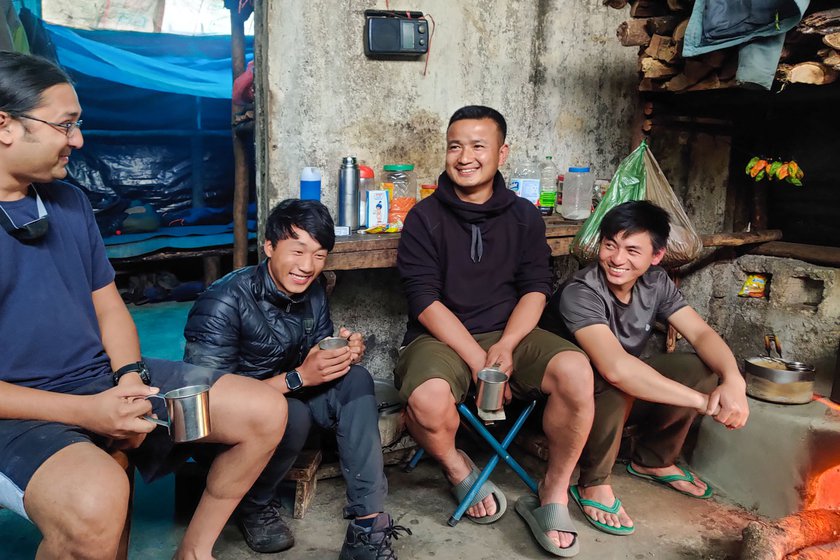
(363, 251)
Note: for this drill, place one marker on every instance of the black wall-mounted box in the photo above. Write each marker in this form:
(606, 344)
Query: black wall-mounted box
(395, 34)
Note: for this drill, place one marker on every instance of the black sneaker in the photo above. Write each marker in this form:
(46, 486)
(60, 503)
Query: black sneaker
(373, 543)
(265, 530)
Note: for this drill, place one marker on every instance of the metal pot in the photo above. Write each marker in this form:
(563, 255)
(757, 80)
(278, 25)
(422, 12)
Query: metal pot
(779, 381)
(390, 408)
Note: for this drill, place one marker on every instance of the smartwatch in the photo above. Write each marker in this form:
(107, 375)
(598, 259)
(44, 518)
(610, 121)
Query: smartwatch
(136, 367)
(293, 380)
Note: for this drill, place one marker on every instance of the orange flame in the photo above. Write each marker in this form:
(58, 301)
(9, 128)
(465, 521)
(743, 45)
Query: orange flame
(832, 405)
(824, 490)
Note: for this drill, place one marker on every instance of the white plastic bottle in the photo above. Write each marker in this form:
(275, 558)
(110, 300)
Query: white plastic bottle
(310, 184)
(577, 194)
(525, 181)
(548, 186)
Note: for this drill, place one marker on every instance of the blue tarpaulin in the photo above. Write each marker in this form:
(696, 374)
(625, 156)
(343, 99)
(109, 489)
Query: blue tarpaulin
(162, 106)
(185, 65)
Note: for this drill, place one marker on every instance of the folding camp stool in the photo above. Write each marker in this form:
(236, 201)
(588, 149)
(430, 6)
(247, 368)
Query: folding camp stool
(501, 453)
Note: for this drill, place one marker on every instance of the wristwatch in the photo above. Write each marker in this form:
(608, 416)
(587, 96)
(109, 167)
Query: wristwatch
(136, 367)
(293, 380)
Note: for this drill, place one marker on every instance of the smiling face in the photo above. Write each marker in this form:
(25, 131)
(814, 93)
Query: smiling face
(625, 258)
(474, 152)
(39, 152)
(295, 262)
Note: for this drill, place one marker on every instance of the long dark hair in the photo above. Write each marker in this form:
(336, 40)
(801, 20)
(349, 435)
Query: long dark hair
(23, 80)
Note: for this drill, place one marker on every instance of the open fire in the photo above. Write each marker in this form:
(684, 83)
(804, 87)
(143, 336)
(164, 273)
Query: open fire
(812, 534)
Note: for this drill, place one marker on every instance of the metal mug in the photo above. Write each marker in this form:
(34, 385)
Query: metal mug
(189, 413)
(491, 389)
(333, 343)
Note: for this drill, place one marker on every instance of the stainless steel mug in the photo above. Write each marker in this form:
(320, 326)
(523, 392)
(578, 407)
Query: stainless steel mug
(491, 389)
(189, 413)
(333, 343)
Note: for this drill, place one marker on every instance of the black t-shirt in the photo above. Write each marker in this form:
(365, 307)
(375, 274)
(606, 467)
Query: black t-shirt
(585, 299)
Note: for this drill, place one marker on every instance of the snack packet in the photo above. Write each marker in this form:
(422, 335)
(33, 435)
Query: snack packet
(754, 286)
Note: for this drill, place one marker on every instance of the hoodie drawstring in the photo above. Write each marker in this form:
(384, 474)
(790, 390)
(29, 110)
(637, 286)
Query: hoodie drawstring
(477, 246)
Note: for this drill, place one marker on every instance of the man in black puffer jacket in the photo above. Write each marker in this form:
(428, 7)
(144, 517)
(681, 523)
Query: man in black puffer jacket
(265, 322)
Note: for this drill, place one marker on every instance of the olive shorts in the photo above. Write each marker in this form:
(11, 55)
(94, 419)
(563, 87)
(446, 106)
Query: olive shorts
(428, 358)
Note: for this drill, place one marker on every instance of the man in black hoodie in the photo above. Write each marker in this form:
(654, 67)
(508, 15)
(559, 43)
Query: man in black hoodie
(475, 266)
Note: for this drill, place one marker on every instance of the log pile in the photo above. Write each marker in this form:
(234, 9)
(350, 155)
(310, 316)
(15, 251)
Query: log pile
(657, 27)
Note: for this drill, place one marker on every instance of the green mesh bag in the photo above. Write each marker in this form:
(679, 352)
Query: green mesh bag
(639, 177)
(627, 184)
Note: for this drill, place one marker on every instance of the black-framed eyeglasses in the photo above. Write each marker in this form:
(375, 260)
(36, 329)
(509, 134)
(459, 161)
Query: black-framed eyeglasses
(69, 127)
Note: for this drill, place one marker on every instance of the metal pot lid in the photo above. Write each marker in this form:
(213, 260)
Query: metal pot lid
(777, 371)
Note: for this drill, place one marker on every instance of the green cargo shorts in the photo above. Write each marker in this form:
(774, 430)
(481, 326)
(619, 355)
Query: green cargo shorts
(428, 358)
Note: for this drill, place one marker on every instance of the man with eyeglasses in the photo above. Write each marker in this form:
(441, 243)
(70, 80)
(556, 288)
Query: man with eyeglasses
(73, 385)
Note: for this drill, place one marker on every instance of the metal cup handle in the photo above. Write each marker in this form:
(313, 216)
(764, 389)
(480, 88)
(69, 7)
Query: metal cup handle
(153, 420)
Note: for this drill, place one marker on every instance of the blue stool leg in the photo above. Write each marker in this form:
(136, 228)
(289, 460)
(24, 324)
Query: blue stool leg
(414, 460)
(482, 478)
(501, 450)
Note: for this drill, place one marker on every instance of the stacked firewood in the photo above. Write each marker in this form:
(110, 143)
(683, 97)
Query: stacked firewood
(812, 50)
(811, 54)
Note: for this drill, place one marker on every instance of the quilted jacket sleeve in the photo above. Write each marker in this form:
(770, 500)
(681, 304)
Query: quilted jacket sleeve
(212, 332)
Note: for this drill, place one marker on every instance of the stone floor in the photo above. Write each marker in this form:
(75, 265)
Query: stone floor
(670, 526)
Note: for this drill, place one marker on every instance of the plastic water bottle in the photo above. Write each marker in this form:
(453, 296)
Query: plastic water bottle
(525, 181)
(310, 184)
(548, 186)
(577, 194)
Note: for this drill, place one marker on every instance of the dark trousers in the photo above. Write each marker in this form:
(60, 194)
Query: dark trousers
(662, 428)
(348, 407)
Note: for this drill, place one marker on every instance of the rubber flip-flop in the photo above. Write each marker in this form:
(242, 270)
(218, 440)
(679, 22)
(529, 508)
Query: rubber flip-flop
(615, 508)
(668, 479)
(460, 491)
(550, 517)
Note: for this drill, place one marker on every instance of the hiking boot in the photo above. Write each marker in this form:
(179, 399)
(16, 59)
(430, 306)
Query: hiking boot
(265, 530)
(361, 543)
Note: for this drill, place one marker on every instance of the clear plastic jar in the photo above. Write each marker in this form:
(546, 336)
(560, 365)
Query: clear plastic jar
(401, 183)
(578, 186)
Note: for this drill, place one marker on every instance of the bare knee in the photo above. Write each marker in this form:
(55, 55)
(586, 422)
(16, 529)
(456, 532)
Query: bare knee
(569, 378)
(432, 405)
(86, 521)
(256, 411)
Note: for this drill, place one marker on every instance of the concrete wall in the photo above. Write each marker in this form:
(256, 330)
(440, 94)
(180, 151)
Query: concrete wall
(553, 67)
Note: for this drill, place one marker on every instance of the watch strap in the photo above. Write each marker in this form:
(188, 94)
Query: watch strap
(136, 367)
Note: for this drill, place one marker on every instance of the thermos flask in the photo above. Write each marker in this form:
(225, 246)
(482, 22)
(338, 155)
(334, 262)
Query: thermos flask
(348, 193)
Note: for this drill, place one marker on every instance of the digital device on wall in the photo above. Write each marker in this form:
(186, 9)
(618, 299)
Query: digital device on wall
(395, 34)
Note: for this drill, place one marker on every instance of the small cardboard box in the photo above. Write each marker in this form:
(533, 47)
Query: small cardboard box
(377, 208)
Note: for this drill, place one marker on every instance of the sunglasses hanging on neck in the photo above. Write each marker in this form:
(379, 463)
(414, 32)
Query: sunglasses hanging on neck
(29, 231)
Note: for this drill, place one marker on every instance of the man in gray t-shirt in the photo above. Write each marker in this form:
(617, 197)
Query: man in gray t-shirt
(610, 308)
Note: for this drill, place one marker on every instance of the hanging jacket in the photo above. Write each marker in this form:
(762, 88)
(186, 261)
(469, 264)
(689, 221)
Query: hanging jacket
(758, 25)
(244, 324)
(476, 259)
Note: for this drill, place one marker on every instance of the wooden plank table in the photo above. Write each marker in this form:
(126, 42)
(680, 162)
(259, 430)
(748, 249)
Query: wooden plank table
(362, 250)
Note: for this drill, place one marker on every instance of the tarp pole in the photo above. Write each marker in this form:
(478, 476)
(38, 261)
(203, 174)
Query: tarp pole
(240, 162)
